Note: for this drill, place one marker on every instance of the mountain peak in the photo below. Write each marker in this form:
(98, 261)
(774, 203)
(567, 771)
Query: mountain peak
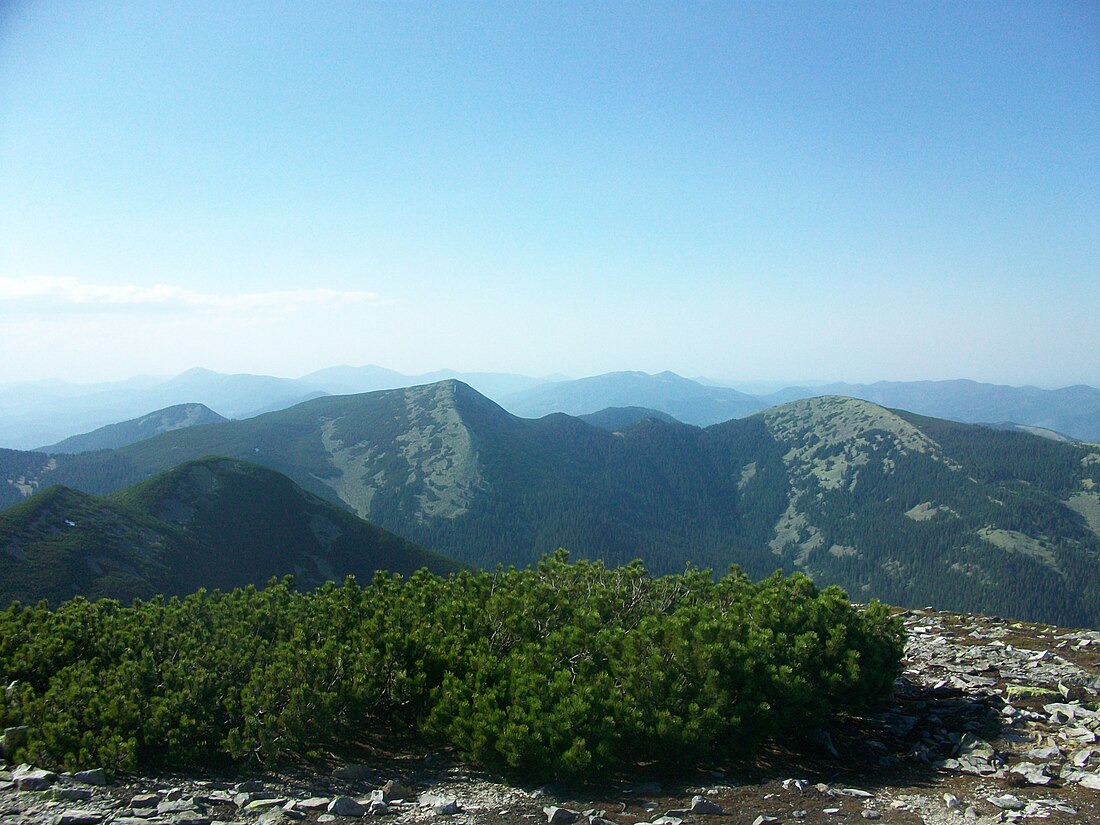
(836, 419)
(176, 417)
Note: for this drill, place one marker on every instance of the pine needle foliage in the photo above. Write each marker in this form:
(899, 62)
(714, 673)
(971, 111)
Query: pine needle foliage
(561, 670)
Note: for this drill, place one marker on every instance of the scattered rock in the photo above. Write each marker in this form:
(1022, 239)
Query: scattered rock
(27, 778)
(449, 807)
(79, 817)
(559, 816)
(346, 806)
(95, 776)
(394, 790)
(1008, 802)
(1091, 781)
(177, 806)
(701, 805)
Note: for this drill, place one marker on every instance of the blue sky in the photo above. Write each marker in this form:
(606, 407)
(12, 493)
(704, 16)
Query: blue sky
(748, 191)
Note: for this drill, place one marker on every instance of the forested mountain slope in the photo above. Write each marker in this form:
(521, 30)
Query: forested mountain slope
(138, 429)
(214, 523)
(888, 504)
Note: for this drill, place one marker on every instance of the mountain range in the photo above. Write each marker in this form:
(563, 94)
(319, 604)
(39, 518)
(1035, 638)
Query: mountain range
(213, 522)
(49, 412)
(911, 509)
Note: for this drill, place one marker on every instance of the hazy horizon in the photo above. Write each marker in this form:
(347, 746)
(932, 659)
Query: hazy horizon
(746, 192)
(751, 387)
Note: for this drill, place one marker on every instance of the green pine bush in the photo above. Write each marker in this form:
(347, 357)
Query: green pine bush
(563, 670)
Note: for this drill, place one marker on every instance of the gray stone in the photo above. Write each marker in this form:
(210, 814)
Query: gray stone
(177, 806)
(761, 820)
(448, 807)
(95, 776)
(393, 790)
(871, 813)
(1043, 754)
(243, 800)
(346, 806)
(559, 816)
(1091, 781)
(314, 803)
(27, 778)
(145, 800)
(1081, 758)
(702, 805)
(1071, 711)
(1008, 802)
(264, 804)
(75, 816)
(1031, 772)
(250, 786)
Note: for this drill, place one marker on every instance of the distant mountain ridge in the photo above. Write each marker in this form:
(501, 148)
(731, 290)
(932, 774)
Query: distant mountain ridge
(685, 400)
(138, 429)
(49, 412)
(1072, 411)
(213, 523)
(911, 509)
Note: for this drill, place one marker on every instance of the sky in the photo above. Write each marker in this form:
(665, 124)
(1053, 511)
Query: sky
(778, 191)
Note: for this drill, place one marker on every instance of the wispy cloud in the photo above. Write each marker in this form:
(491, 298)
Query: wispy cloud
(71, 293)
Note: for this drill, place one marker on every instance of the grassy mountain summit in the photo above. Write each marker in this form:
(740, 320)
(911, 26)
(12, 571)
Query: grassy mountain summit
(886, 503)
(214, 523)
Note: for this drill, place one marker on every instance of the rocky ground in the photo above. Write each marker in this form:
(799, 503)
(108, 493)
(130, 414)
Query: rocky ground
(992, 721)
